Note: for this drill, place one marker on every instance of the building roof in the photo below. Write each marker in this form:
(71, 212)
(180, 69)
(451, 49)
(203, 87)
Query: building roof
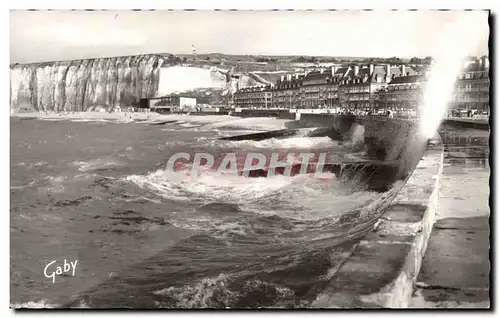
(317, 75)
(379, 71)
(341, 71)
(294, 82)
(408, 79)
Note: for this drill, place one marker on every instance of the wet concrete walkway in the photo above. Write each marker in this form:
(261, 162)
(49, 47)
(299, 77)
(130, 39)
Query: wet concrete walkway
(456, 266)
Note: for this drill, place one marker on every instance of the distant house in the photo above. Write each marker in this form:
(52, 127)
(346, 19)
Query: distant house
(320, 88)
(360, 85)
(250, 97)
(472, 90)
(404, 93)
(170, 103)
(286, 91)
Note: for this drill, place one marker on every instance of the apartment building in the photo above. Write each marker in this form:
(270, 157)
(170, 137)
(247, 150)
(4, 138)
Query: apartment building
(320, 89)
(360, 84)
(403, 94)
(254, 97)
(286, 92)
(369, 88)
(472, 90)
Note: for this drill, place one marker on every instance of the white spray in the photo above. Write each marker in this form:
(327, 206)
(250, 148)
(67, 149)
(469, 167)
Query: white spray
(454, 43)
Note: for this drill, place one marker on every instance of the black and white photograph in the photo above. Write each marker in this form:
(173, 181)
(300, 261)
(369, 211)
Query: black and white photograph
(250, 159)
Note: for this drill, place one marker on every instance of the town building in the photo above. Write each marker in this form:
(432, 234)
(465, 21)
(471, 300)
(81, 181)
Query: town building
(286, 92)
(360, 85)
(367, 88)
(404, 95)
(472, 90)
(319, 89)
(254, 97)
(168, 103)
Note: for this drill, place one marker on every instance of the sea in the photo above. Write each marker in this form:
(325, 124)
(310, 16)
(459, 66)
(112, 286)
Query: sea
(98, 192)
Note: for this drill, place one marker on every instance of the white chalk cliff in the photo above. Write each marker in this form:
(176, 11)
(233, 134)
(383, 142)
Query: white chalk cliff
(85, 85)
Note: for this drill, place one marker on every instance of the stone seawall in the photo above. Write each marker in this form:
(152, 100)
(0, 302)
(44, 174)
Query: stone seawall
(381, 270)
(386, 133)
(387, 139)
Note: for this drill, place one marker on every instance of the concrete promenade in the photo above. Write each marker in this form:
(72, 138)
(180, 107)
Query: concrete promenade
(456, 265)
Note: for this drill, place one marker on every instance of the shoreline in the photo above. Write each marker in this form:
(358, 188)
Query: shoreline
(214, 121)
(116, 116)
(87, 115)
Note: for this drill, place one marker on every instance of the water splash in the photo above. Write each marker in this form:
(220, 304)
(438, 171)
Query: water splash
(454, 43)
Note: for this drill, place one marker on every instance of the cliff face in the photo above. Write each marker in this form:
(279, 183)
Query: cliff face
(82, 85)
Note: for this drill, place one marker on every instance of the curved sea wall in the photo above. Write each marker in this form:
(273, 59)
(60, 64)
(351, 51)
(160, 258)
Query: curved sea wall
(380, 269)
(387, 138)
(83, 85)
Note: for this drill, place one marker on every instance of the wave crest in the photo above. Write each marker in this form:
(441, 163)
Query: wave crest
(276, 143)
(210, 186)
(225, 292)
(208, 293)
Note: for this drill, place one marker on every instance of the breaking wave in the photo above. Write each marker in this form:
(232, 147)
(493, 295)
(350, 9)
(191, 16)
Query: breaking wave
(209, 186)
(301, 197)
(214, 293)
(250, 242)
(188, 125)
(259, 124)
(286, 143)
(97, 164)
(41, 304)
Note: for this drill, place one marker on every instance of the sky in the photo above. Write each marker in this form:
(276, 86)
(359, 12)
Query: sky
(37, 36)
